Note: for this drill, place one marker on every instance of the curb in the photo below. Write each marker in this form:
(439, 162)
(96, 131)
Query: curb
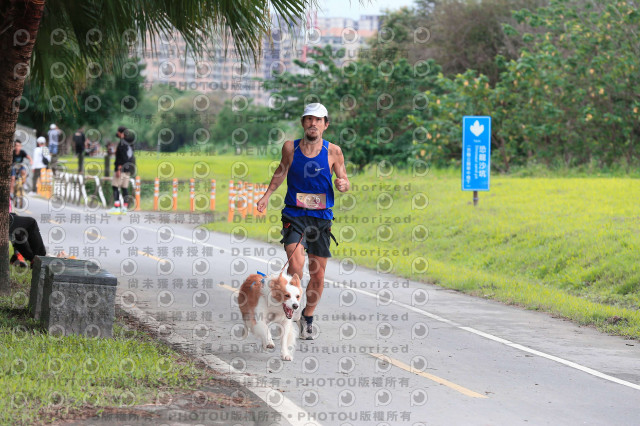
(275, 399)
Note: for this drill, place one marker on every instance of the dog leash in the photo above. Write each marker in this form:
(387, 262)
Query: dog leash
(263, 275)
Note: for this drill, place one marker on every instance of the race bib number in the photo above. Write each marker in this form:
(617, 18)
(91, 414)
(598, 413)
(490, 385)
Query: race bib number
(311, 201)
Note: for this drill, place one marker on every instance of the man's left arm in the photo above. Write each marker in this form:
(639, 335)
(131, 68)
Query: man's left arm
(342, 181)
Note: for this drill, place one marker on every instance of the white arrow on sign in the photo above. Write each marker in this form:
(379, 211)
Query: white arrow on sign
(477, 128)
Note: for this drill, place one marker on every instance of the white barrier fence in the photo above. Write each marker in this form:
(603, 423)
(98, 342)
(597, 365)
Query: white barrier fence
(72, 188)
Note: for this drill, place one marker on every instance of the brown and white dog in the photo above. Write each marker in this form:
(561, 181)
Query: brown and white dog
(267, 300)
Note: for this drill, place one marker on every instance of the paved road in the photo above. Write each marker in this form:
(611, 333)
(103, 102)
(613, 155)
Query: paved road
(389, 351)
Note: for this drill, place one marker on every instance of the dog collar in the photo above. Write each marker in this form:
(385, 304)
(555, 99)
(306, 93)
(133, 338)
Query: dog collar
(262, 281)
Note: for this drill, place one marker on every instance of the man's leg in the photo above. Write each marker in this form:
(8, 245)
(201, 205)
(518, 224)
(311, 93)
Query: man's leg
(315, 286)
(317, 267)
(36, 176)
(318, 242)
(116, 199)
(124, 189)
(293, 245)
(125, 195)
(23, 175)
(116, 196)
(296, 259)
(53, 149)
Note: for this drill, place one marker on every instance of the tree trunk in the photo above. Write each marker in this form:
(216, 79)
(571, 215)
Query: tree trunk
(21, 19)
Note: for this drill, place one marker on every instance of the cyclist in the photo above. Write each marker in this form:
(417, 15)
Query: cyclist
(18, 166)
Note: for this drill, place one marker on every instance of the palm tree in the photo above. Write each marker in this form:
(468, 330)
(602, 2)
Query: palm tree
(53, 43)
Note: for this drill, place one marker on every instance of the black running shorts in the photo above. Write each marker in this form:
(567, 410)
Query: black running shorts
(317, 233)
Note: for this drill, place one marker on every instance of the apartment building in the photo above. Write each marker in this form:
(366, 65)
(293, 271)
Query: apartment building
(221, 68)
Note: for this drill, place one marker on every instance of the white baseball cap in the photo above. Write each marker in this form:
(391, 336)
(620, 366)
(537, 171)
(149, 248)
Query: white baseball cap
(53, 126)
(315, 109)
(41, 139)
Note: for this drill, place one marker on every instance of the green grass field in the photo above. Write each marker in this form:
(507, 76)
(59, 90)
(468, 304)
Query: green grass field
(45, 378)
(565, 245)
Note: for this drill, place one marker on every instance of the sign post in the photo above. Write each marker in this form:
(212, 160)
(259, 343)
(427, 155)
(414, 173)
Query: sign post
(476, 154)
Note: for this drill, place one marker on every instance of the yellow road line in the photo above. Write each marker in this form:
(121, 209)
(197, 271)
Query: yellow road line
(436, 379)
(93, 234)
(228, 287)
(141, 253)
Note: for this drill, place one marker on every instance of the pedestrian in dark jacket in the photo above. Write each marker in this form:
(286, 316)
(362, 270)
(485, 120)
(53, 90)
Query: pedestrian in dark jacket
(124, 168)
(80, 144)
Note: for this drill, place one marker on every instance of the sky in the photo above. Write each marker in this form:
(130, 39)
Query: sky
(353, 9)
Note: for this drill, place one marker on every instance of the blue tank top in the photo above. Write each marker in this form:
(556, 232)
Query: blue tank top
(309, 176)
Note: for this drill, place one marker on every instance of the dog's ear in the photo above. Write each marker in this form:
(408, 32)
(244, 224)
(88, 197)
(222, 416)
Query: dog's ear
(272, 283)
(295, 280)
(276, 282)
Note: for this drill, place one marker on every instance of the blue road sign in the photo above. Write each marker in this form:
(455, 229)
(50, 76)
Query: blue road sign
(476, 153)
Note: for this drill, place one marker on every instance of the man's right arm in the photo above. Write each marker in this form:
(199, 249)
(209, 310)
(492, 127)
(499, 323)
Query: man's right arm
(278, 176)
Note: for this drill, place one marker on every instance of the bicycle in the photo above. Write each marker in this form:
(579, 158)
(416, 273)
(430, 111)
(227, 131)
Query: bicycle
(18, 193)
(19, 187)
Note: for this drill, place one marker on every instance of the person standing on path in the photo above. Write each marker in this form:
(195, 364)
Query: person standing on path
(124, 167)
(80, 144)
(54, 136)
(308, 165)
(41, 158)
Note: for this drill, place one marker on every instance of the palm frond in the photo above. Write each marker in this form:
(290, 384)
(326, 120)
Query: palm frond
(101, 30)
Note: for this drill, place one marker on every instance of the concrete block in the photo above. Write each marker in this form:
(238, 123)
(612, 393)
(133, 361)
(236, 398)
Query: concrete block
(78, 299)
(38, 274)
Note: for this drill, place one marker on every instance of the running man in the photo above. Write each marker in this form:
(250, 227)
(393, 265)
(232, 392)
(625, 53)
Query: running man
(308, 164)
